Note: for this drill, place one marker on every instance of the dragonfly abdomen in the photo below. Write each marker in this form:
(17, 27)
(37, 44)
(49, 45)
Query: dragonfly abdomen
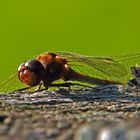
(75, 76)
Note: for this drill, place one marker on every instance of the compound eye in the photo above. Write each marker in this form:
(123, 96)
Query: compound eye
(28, 77)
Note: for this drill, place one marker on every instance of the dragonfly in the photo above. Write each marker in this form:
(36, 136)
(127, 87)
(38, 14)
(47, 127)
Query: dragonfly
(49, 67)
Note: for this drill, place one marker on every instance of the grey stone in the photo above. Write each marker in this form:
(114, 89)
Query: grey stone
(108, 112)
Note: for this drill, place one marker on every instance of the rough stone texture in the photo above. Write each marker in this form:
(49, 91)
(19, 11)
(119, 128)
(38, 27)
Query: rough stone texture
(106, 113)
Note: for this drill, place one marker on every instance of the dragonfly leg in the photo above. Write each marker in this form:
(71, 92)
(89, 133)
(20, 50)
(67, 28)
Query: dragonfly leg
(22, 89)
(26, 88)
(60, 85)
(69, 84)
(38, 87)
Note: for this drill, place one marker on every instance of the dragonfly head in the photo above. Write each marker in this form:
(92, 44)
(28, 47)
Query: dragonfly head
(31, 72)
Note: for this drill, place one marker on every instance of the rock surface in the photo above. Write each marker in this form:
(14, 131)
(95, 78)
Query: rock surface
(106, 113)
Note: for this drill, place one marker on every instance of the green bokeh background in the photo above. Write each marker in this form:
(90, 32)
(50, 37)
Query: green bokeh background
(92, 27)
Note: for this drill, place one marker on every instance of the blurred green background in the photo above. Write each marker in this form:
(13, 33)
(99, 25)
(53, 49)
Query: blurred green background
(92, 27)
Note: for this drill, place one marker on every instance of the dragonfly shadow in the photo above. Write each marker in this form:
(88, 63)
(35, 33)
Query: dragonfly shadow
(103, 94)
(107, 94)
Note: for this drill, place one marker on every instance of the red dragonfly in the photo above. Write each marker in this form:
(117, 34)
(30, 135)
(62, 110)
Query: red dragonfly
(49, 67)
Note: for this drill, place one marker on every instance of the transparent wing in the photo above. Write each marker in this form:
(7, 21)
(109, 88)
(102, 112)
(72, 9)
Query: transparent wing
(10, 84)
(100, 67)
(128, 61)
